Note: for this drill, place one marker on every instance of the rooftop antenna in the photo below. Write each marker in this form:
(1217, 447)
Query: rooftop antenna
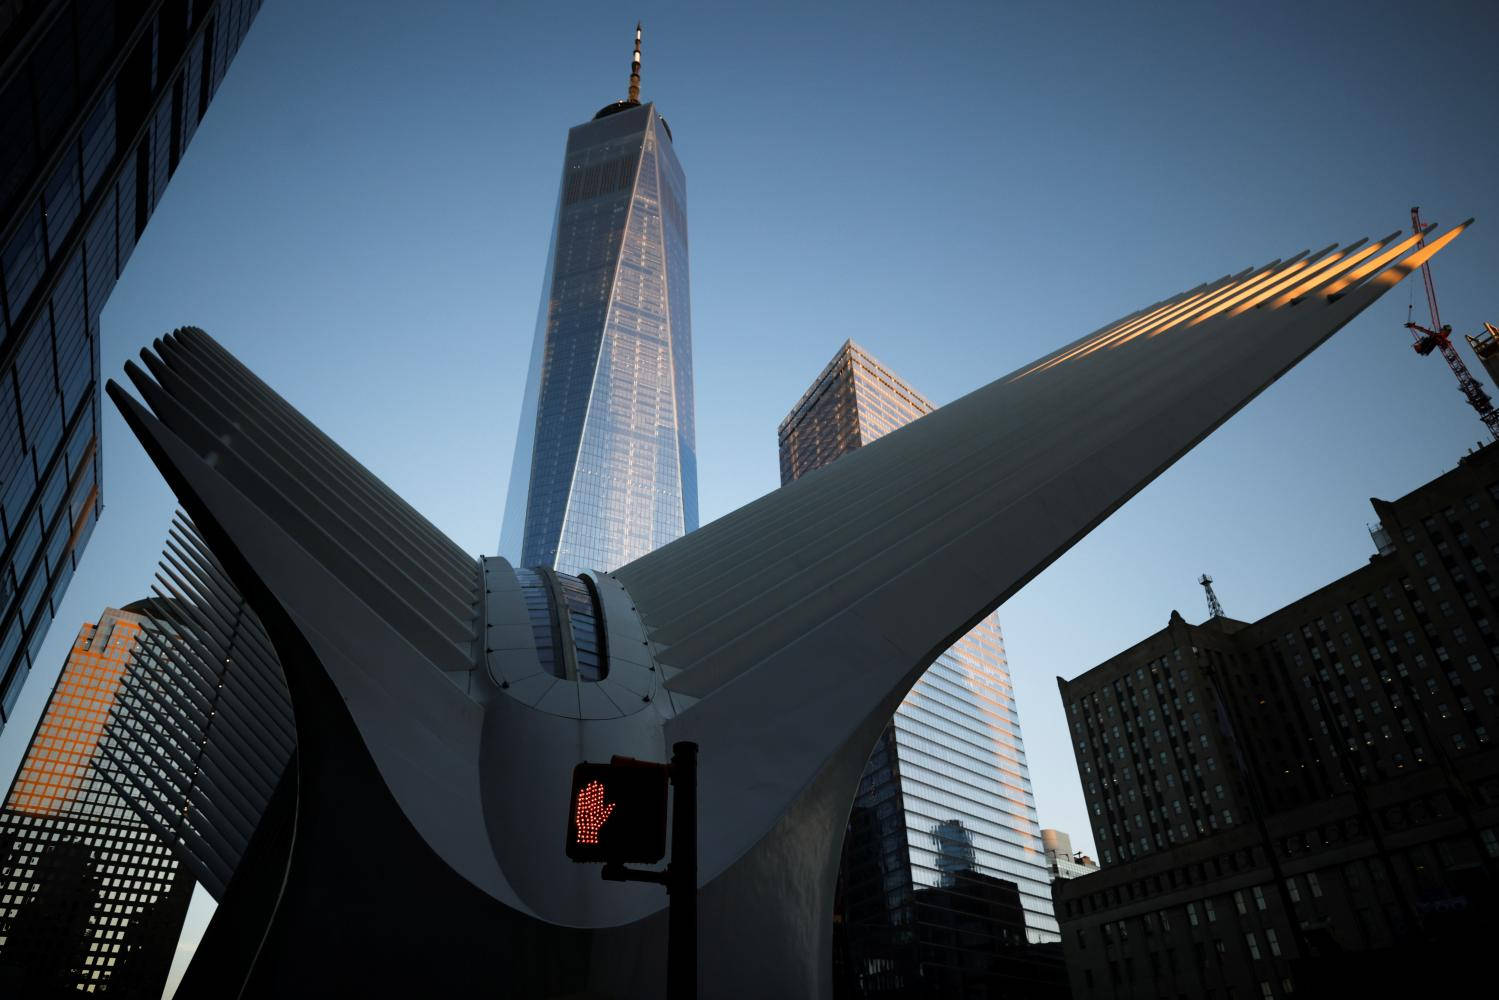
(1215, 610)
(635, 69)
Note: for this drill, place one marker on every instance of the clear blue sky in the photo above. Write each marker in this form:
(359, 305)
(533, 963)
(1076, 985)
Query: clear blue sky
(363, 218)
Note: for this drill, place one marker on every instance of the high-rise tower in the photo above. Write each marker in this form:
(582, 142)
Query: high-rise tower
(945, 802)
(605, 463)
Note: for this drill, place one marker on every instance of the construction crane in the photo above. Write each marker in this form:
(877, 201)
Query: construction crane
(1438, 337)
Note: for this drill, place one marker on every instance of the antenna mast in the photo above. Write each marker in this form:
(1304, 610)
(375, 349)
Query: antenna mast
(1215, 610)
(635, 69)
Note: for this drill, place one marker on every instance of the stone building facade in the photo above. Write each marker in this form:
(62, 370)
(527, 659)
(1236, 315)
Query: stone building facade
(1306, 801)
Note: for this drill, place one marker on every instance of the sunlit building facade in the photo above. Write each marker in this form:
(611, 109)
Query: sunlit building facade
(98, 101)
(605, 465)
(945, 802)
(90, 899)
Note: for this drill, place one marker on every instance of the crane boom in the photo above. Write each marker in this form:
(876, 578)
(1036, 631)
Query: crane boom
(1431, 291)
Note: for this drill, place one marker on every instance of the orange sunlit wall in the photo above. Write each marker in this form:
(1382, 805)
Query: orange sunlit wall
(91, 899)
(62, 751)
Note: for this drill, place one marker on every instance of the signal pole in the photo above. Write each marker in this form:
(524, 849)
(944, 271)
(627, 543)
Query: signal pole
(681, 874)
(590, 814)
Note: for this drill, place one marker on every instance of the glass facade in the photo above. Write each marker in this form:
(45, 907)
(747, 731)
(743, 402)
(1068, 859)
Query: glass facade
(98, 100)
(943, 888)
(605, 466)
(90, 899)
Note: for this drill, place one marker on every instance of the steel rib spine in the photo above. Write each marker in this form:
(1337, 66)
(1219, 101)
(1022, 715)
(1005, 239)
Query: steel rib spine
(204, 729)
(284, 489)
(416, 616)
(193, 378)
(458, 560)
(198, 350)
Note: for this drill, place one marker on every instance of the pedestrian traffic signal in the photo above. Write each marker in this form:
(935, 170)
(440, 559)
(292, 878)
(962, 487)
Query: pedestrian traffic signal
(617, 813)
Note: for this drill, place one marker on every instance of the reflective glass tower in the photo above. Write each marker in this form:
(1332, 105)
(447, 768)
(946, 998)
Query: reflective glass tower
(605, 466)
(91, 900)
(98, 101)
(943, 885)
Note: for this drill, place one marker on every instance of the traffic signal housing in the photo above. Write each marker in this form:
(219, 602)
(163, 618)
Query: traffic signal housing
(617, 812)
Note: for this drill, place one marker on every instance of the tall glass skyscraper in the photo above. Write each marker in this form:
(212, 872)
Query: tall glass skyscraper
(943, 887)
(605, 465)
(98, 101)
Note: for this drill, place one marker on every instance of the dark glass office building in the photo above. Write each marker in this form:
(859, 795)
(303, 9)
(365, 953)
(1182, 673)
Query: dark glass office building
(98, 100)
(91, 901)
(605, 465)
(943, 888)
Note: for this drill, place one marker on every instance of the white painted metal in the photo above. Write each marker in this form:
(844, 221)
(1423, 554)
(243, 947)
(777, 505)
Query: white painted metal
(779, 638)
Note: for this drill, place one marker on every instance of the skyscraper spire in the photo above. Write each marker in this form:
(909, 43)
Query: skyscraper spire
(635, 69)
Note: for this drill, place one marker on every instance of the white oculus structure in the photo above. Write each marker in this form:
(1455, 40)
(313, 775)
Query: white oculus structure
(441, 701)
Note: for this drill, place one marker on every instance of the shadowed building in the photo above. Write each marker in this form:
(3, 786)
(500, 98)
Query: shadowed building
(98, 101)
(605, 466)
(1309, 802)
(441, 701)
(90, 899)
(947, 787)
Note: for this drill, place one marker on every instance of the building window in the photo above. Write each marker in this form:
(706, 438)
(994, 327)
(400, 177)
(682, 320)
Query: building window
(1259, 898)
(1294, 889)
(1254, 946)
(1207, 905)
(1239, 902)
(1316, 887)
(1272, 941)
(1488, 838)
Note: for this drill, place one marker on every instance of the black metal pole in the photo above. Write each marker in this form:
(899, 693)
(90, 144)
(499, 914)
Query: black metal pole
(681, 926)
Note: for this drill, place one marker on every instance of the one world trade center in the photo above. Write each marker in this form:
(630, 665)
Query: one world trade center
(605, 465)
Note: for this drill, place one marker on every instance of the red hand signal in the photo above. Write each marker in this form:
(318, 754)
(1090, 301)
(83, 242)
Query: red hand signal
(591, 812)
